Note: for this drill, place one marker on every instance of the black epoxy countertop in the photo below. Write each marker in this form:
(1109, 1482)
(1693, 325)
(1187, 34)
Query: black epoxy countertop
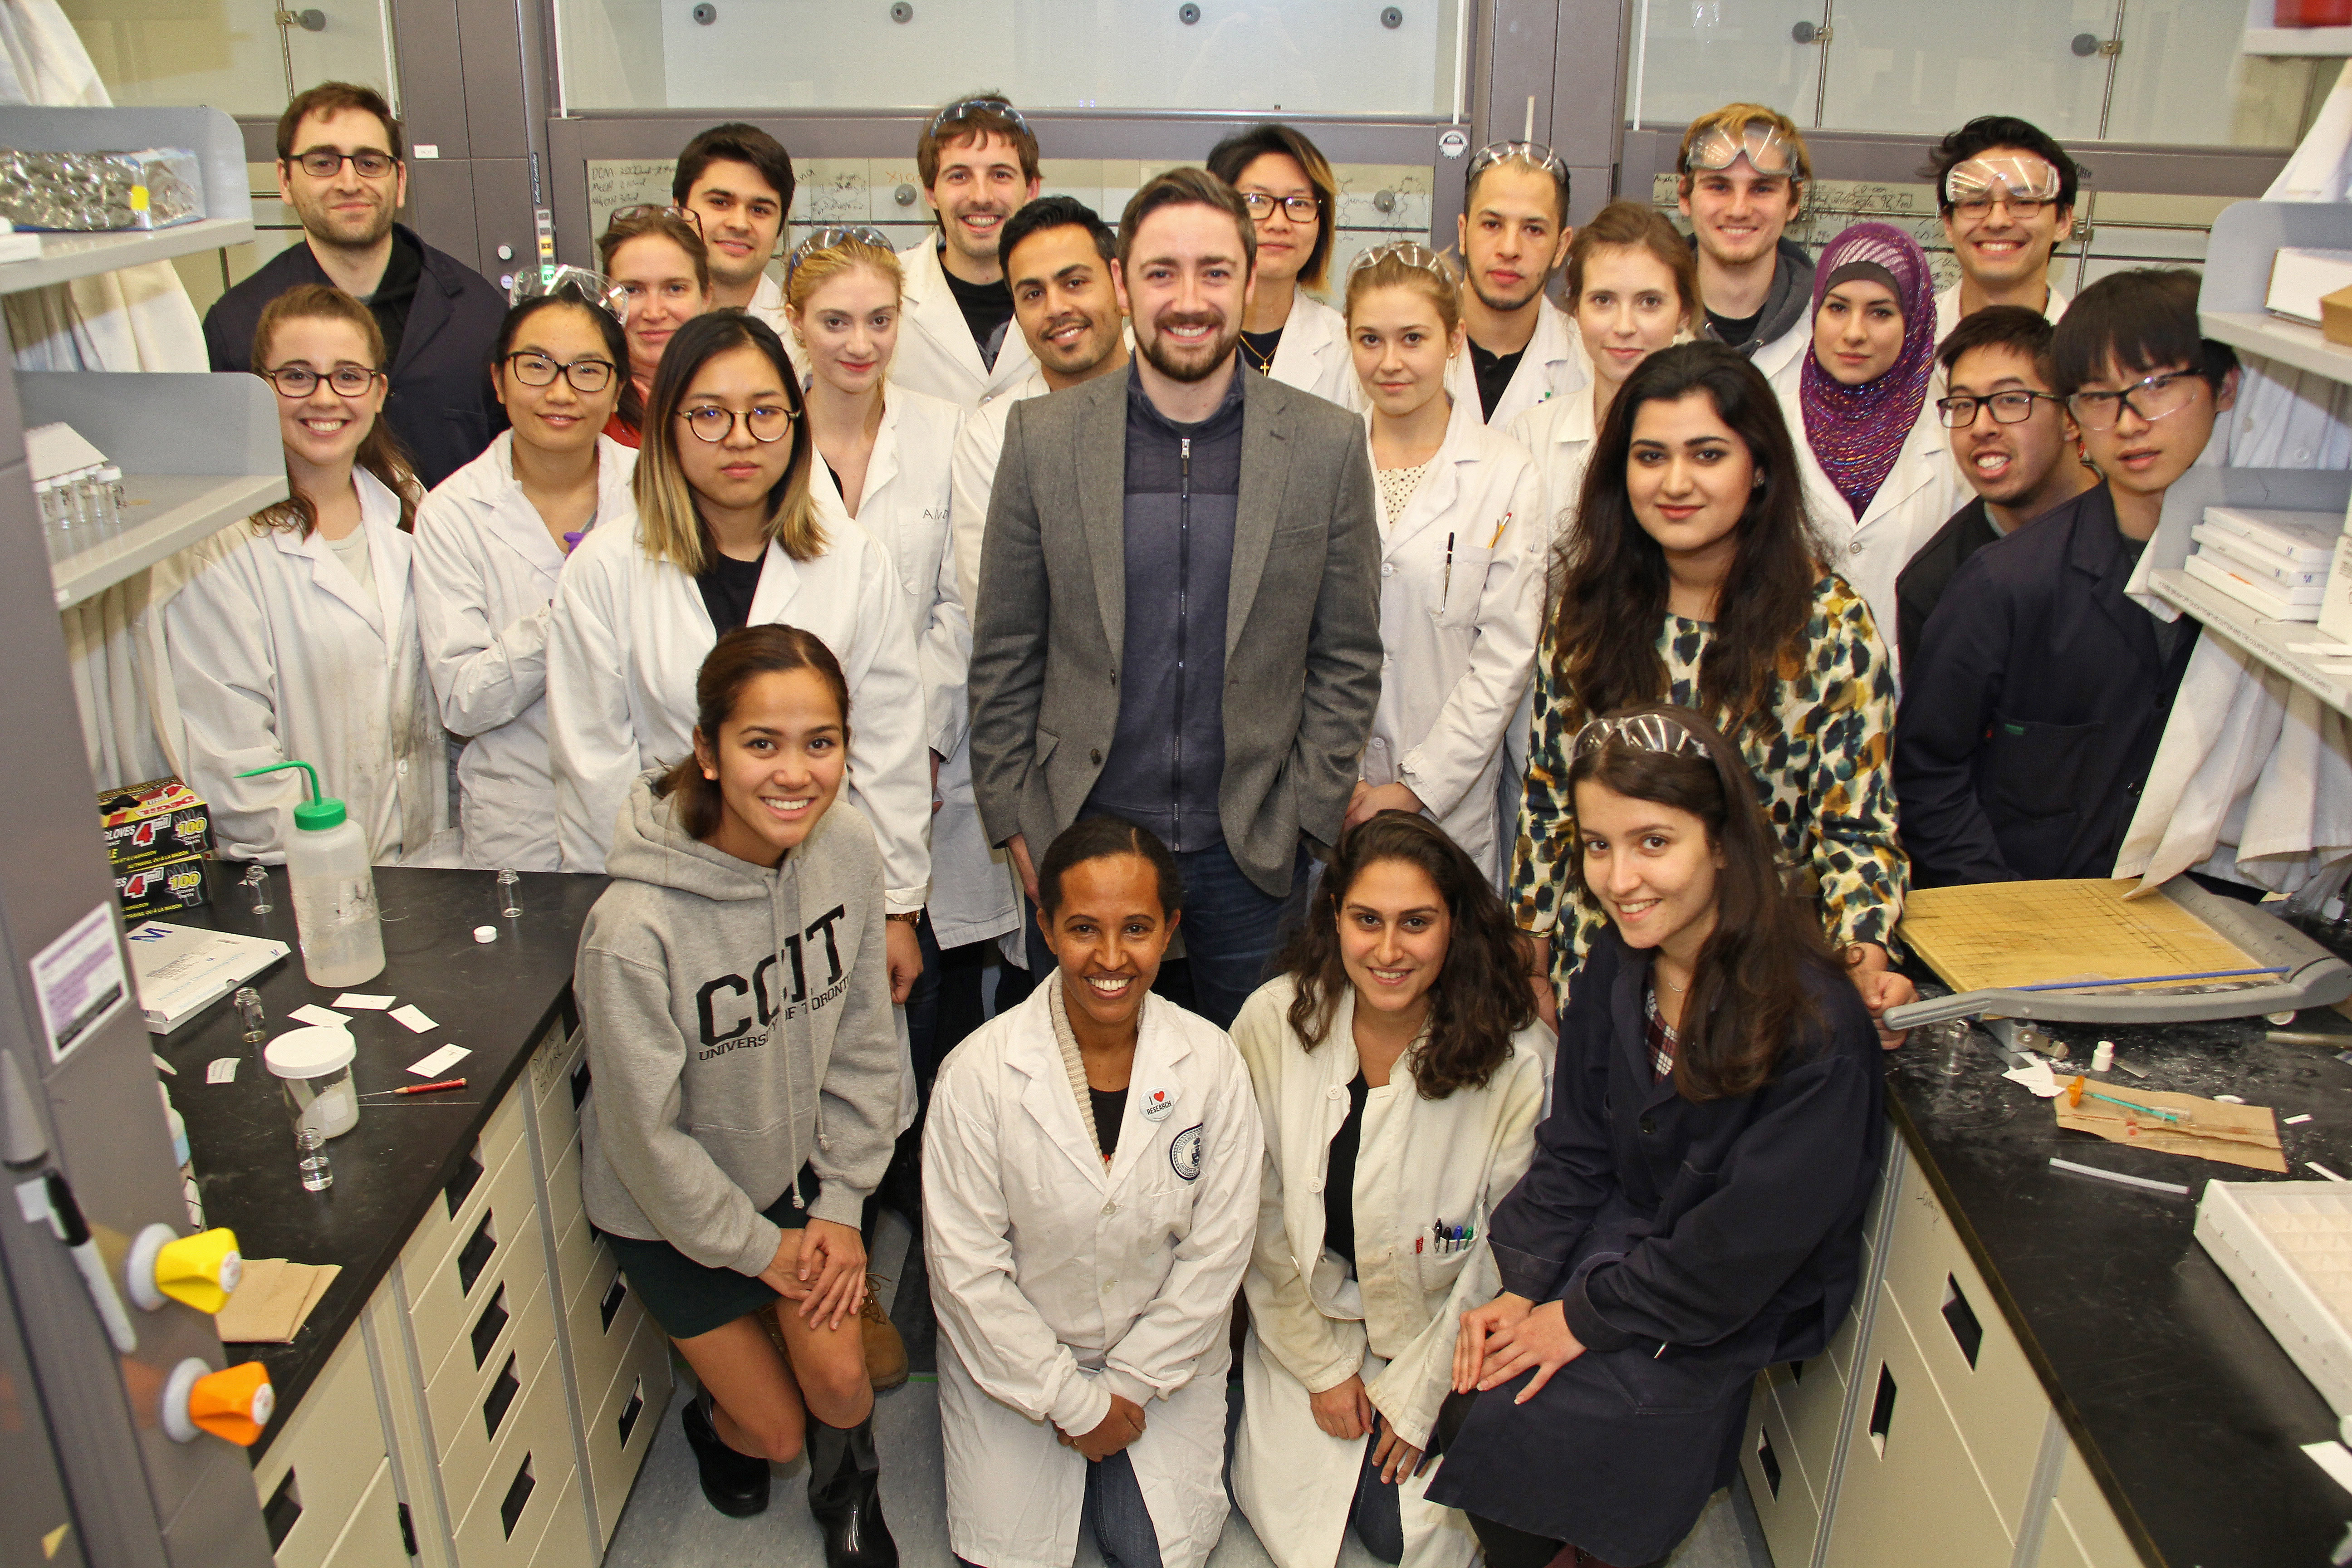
(496, 999)
(2186, 1409)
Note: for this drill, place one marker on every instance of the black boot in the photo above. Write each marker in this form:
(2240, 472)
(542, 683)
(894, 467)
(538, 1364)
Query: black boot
(735, 1483)
(846, 1496)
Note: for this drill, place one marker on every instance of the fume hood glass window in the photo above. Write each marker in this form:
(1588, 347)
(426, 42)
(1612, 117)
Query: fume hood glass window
(233, 55)
(1298, 56)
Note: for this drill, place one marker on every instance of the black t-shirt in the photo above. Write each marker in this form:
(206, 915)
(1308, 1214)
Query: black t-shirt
(1258, 349)
(395, 292)
(727, 586)
(1734, 330)
(987, 310)
(1494, 373)
(1110, 1110)
(1340, 1175)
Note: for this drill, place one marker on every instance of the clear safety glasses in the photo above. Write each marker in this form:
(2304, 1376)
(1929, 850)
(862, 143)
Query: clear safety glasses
(1534, 154)
(833, 239)
(1642, 732)
(2007, 408)
(982, 110)
(2152, 397)
(2020, 182)
(566, 282)
(1759, 141)
(1406, 252)
(647, 211)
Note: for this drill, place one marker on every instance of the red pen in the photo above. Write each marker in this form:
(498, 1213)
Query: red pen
(421, 1088)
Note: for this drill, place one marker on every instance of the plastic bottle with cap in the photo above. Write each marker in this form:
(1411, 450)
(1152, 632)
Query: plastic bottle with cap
(335, 914)
(179, 1130)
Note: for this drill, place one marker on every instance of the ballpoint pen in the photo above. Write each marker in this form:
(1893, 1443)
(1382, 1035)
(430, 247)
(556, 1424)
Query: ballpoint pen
(1446, 590)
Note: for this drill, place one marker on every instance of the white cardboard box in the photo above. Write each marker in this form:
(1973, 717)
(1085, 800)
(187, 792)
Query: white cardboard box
(2300, 276)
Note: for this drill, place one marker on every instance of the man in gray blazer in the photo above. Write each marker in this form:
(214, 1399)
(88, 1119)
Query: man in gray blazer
(1179, 609)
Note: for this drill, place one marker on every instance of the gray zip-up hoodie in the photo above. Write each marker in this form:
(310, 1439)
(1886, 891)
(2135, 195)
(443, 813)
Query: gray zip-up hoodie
(739, 1025)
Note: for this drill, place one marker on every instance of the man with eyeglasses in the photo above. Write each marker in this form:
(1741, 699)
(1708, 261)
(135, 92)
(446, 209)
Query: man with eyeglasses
(1742, 178)
(2033, 713)
(1513, 232)
(977, 160)
(2006, 190)
(737, 181)
(339, 168)
(2014, 443)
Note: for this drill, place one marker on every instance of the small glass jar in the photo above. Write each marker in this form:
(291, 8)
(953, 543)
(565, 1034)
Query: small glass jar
(313, 1066)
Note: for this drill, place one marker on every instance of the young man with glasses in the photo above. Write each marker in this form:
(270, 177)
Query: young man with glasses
(1742, 174)
(2006, 190)
(1514, 234)
(977, 160)
(2014, 443)
(339, 168)
(737, 181)
(2032, 715)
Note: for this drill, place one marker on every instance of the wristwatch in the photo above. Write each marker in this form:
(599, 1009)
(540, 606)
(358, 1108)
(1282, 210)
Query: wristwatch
(909, 916)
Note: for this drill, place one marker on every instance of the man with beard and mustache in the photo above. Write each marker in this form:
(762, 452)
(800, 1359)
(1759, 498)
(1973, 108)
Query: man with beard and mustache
(1513, 233)
(978, 162)
(1178, 617)
(439, 316)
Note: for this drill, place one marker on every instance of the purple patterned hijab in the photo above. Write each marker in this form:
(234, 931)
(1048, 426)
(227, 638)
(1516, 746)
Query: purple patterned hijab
(1857, 432)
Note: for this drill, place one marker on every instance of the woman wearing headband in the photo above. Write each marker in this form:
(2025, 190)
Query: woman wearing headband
(658, 265)
(1461, 559)
(1878, 472)
(491, 540)
(885, 454)
(1692, 578)
(1693, 1210)
(1294, 202)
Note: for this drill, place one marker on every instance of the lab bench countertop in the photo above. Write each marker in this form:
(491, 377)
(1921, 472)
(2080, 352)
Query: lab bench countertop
(496, 999)
(2184, 1407)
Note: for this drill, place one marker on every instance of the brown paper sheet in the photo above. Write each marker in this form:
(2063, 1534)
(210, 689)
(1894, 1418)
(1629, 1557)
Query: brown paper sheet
(2233, 1134)
(1997, 934)
(272, 1300)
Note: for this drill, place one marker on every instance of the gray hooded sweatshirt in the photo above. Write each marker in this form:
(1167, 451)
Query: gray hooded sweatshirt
(739, 1025)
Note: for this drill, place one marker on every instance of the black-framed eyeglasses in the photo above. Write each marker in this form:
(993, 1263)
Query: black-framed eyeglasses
(768, 423)
(325, 163)
(2007, 407)
(1976, 208)
(301, 380)
(1297, 209)
(589, 375)
(2152, 397)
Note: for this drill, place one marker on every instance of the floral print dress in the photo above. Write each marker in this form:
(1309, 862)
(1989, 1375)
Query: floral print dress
(1818, 749)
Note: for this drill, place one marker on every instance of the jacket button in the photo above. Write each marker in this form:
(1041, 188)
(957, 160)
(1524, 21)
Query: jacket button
(1314, 1184)
(1334, 1093)
(1854, 549)
(1110, 1208)
(1388, 568)
(1650, 1125)
(1097, 757)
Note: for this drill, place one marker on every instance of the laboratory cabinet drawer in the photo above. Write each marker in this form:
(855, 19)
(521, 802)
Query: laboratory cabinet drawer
(319, 1468)
(549, 1058)
(566, 1543)
(1846, 1343)
(444, 1304)
(450, 1218)
(557, 1108)
(2082, 1530)
(1786, 1507)
(1812, 1400)
(565, 1201)
(521, 1483)
(1909, 1493)
(371, 1539)
(601, 1322)
(621, 1430)
(1995, 1397)
(467, 1396)
(579, 1251)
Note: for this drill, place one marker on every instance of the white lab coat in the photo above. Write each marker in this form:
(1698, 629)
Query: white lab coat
(630, 635)
(979, 443)
(1420, 1163)
(936, 353)
(768, 305)
(1313, 354)
(1553, 367)
(1557, 435)
(907, 509)
(1058, 1283)
(485, 578)
(278, 655)
(1775, 359)
(1948, 309)
(1918, 497)
(1456, 662)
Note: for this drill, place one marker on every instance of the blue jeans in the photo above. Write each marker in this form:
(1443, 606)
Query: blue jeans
(1114, 1511)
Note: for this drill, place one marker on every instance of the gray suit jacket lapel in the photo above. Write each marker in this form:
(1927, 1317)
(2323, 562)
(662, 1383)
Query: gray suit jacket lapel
(1101, 462)
(1266, 471)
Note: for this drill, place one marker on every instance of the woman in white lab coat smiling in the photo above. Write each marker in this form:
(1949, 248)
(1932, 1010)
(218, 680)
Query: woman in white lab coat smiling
(1399, 1072)
(885, 456)
(294, 636)
(1090, 1185)
(1294, 203)
(727, 535)
(490, 542)
(1462, 567)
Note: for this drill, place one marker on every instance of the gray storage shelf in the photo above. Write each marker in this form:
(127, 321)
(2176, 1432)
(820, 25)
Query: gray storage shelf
(211, 134)
(2245, 240)
(2243, 627)
(198, 452)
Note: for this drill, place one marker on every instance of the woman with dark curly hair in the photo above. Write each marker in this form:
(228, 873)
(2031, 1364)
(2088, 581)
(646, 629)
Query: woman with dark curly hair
(1399, 1072)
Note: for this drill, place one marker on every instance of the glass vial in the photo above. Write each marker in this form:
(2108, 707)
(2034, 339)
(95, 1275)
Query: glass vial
(507, 878)
(109, 480)
(257, 877)
(248, 1011)
(311, 1160)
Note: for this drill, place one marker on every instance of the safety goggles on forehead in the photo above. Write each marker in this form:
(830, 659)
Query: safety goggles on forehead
(2018, 177)
(1759, 141)
(980, 109)
(1656, 732)
(568, 282)
(1411, 253)
(833, 239)
(646, 212)
(1534, 154)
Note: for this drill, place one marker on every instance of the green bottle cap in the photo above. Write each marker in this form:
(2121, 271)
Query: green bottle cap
(315, 814)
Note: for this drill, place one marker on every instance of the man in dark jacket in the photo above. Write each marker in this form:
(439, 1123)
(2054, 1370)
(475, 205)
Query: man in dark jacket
(2040, 692)
(339, 168)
